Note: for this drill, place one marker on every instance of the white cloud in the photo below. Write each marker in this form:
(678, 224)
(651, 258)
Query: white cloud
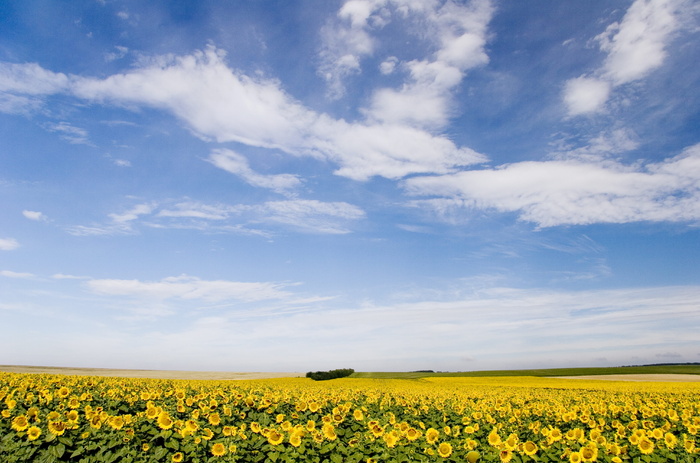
(11, 274)
(31, 79)
(62, 276)
(122, 163)
(586, 95)
(118, 54)
(8, 244)
(424, 100)
(635, 47)
(221, 104)
(346, 41)
(70, 133)
(14, 104)
(300, 215)
(527, 327)
(311, 215)
(388, 65)
(391, 150)
(575, 192)
(34, 215)
(190, 288)
(237, 164)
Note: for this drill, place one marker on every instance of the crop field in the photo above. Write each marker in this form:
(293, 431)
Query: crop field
(64, 418)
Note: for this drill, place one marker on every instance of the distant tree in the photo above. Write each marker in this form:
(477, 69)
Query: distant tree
(332, 374)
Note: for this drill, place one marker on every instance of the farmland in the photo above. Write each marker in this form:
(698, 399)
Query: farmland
(70, 418)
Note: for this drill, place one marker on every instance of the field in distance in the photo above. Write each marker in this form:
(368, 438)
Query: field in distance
(686, 372)
(678, 372)
(156, 374)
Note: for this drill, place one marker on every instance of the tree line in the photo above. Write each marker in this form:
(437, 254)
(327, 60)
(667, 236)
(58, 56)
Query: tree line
(332, 374)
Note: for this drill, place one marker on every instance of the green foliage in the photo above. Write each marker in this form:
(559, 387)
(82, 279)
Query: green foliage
(332, 374)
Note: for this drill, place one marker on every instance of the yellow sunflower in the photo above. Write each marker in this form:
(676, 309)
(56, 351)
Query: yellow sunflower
(529, 448)
(645, 445)
(178, 457)
(33, 433)
(295, 440)
(164, 421)
(20, 423)
(505, 455)
(274, 437)
(329, 432)
(218, 449)
(57, 427)
(431, 435)
(445, 449)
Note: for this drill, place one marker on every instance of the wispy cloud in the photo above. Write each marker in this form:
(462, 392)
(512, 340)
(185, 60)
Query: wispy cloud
(8, 244)
(575, 192)
(300, 215)
(496, 328)
(11, 274)
(189, 287)
(70, 133)
(635, 46)
(232, 107)
(237, 164)
(35, 215)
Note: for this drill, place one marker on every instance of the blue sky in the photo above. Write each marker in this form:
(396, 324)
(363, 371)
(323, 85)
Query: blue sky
(375, 184)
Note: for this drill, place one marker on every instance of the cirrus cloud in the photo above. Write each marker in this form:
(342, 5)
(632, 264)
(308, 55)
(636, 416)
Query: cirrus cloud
(574, 191)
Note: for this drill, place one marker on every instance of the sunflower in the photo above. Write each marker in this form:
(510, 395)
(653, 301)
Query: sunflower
(575, 457)
(33, 433)
(164, 420)
(529, 448)
(473, 456)
(274, 437)
(218, 449)
(494, 438)
(57, 427)
(589, 453)
(116, 422)
(670, 440)
(505, 455)
(329, 432)
(152, 412)
(214, 419)
(645, 445)
(358, 415)
(391, 439)
(178, 457)
(431, 435)
(20, 423)
(295, 440)
(412, 434)
(445, 449)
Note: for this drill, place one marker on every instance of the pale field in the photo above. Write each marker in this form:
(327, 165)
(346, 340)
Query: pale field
(647, 377)
(156, 374)
(227, 375)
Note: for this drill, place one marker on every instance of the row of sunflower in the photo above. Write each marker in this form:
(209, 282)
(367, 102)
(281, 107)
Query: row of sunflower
(52, 418)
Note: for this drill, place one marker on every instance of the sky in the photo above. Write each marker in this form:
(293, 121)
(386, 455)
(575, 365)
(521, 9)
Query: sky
(384, 185)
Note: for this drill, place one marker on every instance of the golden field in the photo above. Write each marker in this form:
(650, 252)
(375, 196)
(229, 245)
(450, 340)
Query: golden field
(69, 418)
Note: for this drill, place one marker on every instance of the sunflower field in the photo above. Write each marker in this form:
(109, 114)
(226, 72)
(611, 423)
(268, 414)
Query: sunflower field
(60, 418)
